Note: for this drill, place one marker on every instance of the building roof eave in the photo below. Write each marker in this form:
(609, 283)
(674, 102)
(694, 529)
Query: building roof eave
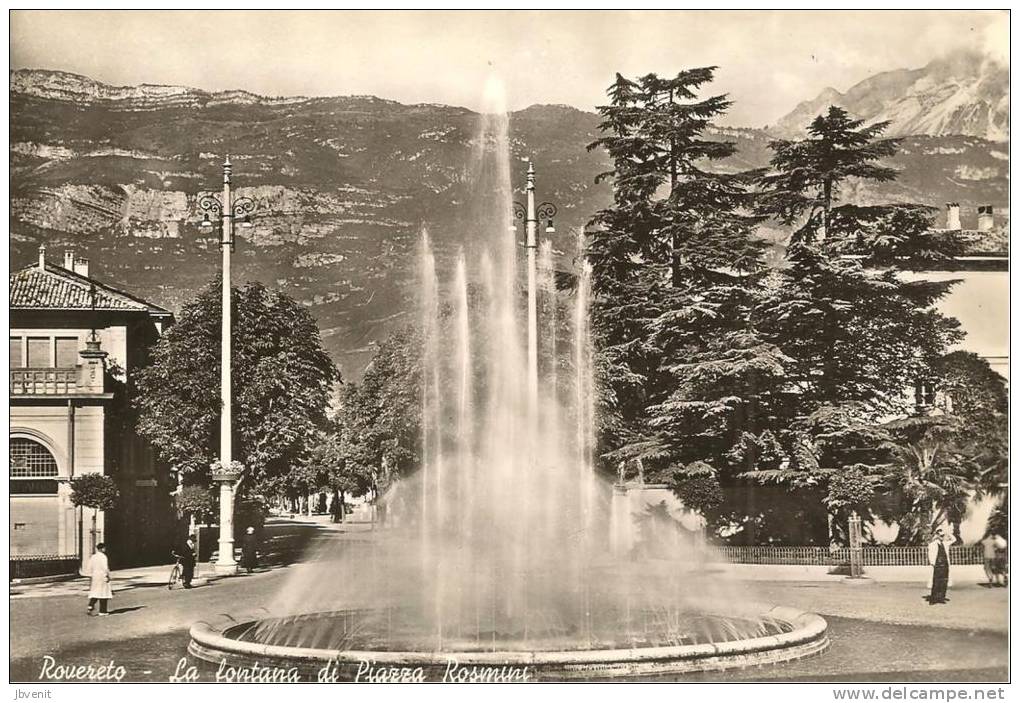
(36, 288)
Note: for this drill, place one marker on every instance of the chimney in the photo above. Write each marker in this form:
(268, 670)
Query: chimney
(953, 216)
(81, 267)
(69, 259)
(42, 257)
(986, 220)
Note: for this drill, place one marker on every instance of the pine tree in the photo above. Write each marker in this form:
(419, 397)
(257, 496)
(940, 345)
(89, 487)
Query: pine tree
(807, 177)
(674, 261)
(808, 174)
(856, 334)
(670, 208)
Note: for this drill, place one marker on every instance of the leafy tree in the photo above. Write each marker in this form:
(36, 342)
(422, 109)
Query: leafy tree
(327, 468)
(94, 491)
(853, 335)
(998, 521)
(976, 394)
(973, 393)
(851, 490)
(249, 511)
(281, 378)
(721, 373)
(198, 502)
(669, 206)
(698, 489)
(380, 418)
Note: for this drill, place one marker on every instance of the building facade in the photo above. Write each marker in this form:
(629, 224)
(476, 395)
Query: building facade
(75, 343)
(980, 298)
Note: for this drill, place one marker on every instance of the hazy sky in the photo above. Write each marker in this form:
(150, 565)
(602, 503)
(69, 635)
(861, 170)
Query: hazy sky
(768, 61)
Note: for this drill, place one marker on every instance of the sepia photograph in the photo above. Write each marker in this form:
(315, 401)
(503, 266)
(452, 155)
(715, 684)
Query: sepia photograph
(492, 346)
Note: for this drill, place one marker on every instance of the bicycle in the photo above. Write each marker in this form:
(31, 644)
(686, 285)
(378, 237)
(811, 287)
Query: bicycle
(175, 573)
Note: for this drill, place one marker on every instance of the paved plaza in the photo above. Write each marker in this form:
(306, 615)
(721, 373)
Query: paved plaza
(878, 631)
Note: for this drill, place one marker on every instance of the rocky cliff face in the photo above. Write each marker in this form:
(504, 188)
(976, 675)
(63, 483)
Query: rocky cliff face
(961, 94)
(60, 85)
(344, 186)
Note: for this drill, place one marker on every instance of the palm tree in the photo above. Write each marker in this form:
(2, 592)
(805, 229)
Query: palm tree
(930, 478)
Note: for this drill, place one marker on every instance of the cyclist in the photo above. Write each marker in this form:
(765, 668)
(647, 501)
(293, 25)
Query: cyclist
(186, 558)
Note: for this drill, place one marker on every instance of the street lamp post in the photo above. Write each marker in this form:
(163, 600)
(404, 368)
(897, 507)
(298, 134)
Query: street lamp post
(531, 215)
(226, 472)
(856, 550)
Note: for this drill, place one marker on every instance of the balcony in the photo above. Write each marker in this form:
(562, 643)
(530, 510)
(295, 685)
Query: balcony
(46, 381)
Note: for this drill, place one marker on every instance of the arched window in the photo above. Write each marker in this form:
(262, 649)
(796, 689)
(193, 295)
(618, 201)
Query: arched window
(29, 459)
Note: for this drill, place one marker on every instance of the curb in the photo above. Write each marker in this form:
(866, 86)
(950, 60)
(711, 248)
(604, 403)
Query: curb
(219, 643)
(56, 578)
(26, 589)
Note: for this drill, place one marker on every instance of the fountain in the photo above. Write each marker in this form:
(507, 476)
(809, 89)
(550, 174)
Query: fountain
(501, 556)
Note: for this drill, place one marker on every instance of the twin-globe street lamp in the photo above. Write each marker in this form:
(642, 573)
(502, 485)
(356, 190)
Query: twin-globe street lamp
(531, 214)
(226, 472)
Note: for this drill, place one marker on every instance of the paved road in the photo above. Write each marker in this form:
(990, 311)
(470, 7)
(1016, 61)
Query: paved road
(148, 629)
(58, 622)
(971, 606)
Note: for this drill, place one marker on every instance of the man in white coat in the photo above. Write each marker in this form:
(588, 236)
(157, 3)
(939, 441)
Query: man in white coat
(99, 589)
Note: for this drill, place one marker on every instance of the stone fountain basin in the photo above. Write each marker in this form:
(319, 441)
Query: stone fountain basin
(808, 637)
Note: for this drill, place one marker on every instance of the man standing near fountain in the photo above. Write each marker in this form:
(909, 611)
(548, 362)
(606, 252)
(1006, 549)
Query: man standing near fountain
(249, 550)
(938, 557)
(188, 559)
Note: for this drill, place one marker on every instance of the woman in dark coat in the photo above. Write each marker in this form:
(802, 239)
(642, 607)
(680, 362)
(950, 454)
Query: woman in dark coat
(938, 557)
(249, 550)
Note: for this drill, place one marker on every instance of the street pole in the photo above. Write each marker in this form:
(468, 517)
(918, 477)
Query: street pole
(225, 245)
(225, 472)
(532, 245)
(225, 562)
(856, 551)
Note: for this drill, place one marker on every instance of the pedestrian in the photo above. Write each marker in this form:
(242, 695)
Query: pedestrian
(988, 546)
(334, 508)
(1000, 565)
(188, 558)
(938, 557)
(249, 550)
(99, 586)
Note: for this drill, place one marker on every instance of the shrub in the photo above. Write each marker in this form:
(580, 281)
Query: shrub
(94, 491)
(850, 489)
(198, 501)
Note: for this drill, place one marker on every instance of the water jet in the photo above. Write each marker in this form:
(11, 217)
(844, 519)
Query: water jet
(504, 552)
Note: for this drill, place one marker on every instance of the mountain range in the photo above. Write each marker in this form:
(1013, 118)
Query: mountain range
(345, 184)
(961, 93)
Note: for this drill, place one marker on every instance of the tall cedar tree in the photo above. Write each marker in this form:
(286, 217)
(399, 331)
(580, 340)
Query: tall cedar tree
(857, 334)
(803, 189)
(673, 259)
(281, 379)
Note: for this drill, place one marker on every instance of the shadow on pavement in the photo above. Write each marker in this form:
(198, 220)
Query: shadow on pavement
(284, 542)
